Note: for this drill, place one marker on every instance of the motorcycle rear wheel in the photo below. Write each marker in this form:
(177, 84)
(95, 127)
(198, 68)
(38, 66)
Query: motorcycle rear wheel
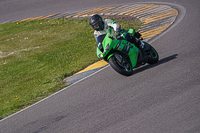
(124, 69)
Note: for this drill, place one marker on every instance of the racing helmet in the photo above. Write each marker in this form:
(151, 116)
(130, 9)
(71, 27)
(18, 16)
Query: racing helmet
(96, 22)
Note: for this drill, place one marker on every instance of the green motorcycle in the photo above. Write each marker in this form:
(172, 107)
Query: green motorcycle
(122, 55)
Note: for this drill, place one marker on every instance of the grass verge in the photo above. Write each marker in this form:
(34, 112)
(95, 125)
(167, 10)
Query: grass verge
(35, 56)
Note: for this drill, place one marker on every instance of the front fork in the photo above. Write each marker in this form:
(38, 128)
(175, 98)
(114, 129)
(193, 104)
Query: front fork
(142, 59)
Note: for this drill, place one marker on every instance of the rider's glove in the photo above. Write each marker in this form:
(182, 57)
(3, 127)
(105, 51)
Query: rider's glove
(128, 37)
(117, 34)
(137, 35)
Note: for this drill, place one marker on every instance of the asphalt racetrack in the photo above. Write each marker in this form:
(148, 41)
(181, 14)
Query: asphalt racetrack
(161, 98)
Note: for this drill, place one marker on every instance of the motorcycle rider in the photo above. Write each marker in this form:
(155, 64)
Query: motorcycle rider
(101, 29)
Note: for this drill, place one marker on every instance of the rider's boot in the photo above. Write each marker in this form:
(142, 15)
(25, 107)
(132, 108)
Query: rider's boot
(138, 43)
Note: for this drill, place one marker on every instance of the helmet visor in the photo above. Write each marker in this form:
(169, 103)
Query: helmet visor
(96, 25)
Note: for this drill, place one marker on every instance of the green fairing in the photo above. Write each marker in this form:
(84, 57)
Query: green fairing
(118, 45)
(98, 52)
(133, 54)
(123, 55)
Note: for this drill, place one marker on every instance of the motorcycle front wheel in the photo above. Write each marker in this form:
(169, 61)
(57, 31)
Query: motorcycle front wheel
(153, 55)
(123, 67)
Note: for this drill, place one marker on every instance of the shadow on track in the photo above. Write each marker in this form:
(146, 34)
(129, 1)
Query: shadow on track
(162, 61)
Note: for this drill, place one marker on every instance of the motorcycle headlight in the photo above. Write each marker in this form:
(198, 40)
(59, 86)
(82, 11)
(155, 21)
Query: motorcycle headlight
(100, 55)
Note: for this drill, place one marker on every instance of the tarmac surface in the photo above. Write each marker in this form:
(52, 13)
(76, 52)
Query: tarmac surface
(161, 98)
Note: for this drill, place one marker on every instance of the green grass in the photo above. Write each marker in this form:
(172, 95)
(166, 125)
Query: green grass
(35, 57)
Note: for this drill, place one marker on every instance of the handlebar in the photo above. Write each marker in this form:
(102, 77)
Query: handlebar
(116, 35)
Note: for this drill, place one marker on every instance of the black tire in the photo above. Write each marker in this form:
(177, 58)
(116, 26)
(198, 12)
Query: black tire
(153, 55)
(119, 67)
